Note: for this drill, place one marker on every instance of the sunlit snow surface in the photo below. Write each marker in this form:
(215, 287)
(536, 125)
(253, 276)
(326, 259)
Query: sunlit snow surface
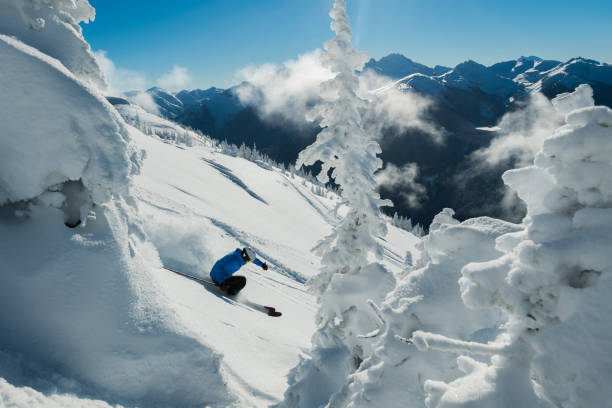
(87, 314)
(189, 203)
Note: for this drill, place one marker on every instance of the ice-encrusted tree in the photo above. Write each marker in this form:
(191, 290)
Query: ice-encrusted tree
(553, 282)
(347, 278)
(52, 27)
(426, 298)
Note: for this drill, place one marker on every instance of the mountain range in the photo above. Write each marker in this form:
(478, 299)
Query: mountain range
(467, 98)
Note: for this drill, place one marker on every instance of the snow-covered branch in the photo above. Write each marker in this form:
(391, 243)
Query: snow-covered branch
(381, 319)
(425, 341)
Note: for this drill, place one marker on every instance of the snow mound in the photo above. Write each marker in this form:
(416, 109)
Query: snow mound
(77, 136)
(87, 306)
(82, 303)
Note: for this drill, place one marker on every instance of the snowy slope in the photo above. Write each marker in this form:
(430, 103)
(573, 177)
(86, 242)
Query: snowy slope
(87, 315)
(93, 211)
(198, 204)
(79, 312)
(216, 203)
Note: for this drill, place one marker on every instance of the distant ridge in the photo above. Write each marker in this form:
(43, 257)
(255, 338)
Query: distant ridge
(467, 98)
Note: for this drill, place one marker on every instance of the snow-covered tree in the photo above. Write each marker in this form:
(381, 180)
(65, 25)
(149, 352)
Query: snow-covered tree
(405, 223)
(426, 298)
(554, 280)
(527, 298)
(52, 27)
(347, 278)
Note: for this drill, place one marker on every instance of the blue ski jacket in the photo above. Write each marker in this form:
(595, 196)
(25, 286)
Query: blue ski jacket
(229, 265)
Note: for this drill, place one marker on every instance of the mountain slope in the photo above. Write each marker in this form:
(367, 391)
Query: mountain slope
(196, 204)
(465, 98)
(87, 315)
(203, 197)
(396, 66)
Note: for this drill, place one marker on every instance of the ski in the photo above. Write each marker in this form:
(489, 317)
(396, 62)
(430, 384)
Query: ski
(195, 278)
(269, 310)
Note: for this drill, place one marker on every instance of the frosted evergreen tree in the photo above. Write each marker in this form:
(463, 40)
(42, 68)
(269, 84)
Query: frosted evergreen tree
(344, 146)
(53, 27)
(347, 278)
(553, 281)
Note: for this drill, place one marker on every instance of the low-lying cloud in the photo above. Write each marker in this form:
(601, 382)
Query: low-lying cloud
(119, 79)
(289, 90)
(520, 133)
(177, 79)
(145, 101)
(403, 179)
(292, 89)
(122, 80)
(391, 107)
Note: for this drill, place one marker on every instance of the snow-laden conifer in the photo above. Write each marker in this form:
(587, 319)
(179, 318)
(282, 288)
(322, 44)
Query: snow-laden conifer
(52, 27)
(347, 278)
(553, 281)
(425, 299)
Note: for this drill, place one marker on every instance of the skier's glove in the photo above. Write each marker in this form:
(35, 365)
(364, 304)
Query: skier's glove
(265, 266)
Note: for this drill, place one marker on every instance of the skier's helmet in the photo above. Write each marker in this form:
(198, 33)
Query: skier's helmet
(248, 254)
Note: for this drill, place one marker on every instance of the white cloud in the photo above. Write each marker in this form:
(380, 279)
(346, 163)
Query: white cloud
(289, 90)
(519, 136)
(520, 133)
(128, 83)
(145, 101)
(403, 179)
(122, 80)
(119, 79)
(177, 79)
(390, 106)
(293, 88)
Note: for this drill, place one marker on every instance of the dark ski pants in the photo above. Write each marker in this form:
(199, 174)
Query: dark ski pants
(233, 285)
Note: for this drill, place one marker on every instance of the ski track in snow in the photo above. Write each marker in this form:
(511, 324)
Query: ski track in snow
(186, 192)
(324, 213)
(248, 391)
(159, 207)
(194, 214)
(233, 178)
(393, 256)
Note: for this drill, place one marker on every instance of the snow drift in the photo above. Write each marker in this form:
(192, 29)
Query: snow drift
(76, 135)
(80, 303)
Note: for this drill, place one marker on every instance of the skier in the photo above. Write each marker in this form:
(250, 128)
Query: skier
(221, 273)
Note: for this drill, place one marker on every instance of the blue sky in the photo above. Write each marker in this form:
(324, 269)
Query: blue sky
(213, 39)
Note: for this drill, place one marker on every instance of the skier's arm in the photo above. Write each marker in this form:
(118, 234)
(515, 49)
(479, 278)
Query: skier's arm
(262, 264)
